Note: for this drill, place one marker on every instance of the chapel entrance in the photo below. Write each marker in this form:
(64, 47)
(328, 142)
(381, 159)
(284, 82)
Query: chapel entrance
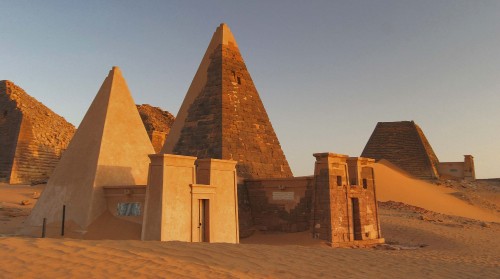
(356, 219)
(204, 220)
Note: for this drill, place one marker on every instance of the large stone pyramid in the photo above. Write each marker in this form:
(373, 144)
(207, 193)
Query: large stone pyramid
(404, 144)
(110, 148)
(223, 117)
(32, 137)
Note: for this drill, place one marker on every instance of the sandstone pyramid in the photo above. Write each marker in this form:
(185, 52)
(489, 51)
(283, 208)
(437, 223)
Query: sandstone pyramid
(223, 117)
(32, 137)
(157, 123)
(110, 148)
(404, 144)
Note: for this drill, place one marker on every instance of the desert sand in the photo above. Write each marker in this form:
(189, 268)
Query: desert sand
(395, 185)
(424, 240)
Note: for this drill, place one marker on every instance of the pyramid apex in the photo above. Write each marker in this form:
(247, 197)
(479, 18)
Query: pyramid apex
(224, 35)
(115, 70)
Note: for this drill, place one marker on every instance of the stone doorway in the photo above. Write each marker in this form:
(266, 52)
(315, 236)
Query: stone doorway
(204, 220)
(356, 219)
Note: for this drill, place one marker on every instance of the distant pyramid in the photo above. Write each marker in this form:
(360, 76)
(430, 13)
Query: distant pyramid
(157, 123)
(223, 117)
(32, 137)
(405, 145)
(110, 148)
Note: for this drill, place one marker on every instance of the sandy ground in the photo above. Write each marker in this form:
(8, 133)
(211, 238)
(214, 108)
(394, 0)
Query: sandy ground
(12, 213)
(424, 241)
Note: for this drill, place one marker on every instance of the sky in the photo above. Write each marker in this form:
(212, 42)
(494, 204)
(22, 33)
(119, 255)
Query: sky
(327, 71)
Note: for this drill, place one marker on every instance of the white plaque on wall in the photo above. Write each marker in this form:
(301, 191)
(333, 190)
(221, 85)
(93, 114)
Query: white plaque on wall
(283, 196)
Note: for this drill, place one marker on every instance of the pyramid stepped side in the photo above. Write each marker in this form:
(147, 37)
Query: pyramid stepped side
(10, 123)
(201, 135)
(248, 135)
(110, 148)
(434, 161)
(157, 123)
(403, 144)
(35, 136)
(195, 89)
(223, 116)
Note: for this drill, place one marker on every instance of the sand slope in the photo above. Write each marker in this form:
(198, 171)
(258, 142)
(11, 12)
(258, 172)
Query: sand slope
(56, 258)
(398, 186)
(428, 245)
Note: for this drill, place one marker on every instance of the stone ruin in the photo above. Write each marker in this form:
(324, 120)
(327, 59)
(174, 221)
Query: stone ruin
(337, 204)
(223, 117)
(33, 137)
(221, 153)
(404, 144)
(157, 123)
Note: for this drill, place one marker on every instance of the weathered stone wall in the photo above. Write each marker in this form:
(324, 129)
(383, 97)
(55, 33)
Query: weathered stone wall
(458, 170)
(41, 138)
(281, 204)
(405, 145)
(227, 120)
(330, 218)
(157, 123)
(364, 191)
(469, 169)
(343, 213)
(451, 170)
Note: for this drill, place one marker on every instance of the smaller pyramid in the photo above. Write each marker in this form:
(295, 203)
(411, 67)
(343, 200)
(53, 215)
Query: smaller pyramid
(403, 144)
(32, 137)
(110, 148)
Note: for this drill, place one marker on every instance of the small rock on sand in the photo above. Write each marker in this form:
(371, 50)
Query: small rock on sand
(25, 202)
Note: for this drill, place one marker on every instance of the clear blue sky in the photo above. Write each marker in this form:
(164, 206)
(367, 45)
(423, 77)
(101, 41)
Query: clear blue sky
(327, 71)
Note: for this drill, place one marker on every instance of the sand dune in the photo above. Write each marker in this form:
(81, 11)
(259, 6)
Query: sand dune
(448, 247)
(398, 186)
(57, 258)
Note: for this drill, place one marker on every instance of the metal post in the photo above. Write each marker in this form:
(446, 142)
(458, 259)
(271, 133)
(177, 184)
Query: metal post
(43, 227)
(63, 217)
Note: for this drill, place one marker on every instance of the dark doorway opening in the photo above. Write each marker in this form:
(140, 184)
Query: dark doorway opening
(356, 219)
(204, 220)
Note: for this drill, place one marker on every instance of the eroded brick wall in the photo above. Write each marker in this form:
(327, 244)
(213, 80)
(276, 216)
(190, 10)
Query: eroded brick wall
(344, 212)
(281, 204)
(405, 145)
(40, 140)
(330, 215)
